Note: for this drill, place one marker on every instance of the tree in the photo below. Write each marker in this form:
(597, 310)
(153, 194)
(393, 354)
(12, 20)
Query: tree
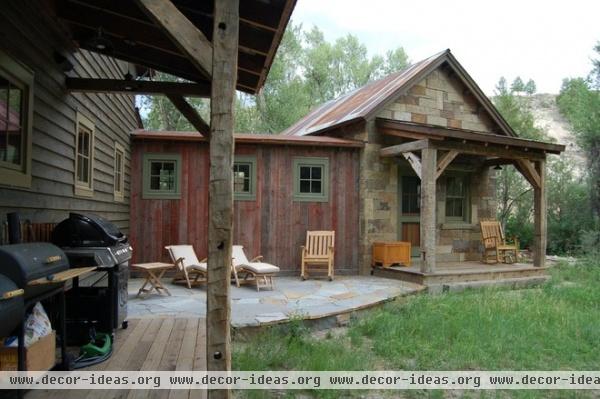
(530, 87)
(517, 85)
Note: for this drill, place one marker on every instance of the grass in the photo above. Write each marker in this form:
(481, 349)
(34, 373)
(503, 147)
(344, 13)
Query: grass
(555, 327)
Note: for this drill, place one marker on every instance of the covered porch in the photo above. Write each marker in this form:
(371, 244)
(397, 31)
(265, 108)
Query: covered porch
(431, 152)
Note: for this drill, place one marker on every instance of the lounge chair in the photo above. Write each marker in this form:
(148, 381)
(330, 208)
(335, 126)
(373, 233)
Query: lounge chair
(190, 270)
(318, 252)
(253, 271)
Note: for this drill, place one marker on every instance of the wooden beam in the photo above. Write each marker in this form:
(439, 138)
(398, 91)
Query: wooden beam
(528, 171)
(147, 87)
(183, 33)
(220, 192)
(414, 162)
(428, 213)
(484, 137)
(411, 146)
(408, 135)
(539, 217)
(190, 114)
(466, 147)
(444, 162)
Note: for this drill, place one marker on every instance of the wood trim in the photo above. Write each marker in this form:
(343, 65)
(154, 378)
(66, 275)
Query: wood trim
(444, 161)
(431, 130)
(399, 149)
(119, 86)
(183, 33)
(190, 114)
(414, 162)
(408, 135)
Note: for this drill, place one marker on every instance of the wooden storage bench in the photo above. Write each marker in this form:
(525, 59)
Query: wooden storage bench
(388, 253)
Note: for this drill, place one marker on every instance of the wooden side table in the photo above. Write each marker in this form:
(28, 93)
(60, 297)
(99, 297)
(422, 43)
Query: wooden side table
(391, 252)
(153, 272)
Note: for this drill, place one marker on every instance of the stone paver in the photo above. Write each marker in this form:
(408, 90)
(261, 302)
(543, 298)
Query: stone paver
(291, 298)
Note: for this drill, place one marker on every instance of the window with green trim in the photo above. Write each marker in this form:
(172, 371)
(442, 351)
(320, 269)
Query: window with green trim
(162, 176)
(456, 198)
(311, 179)
(244, 178)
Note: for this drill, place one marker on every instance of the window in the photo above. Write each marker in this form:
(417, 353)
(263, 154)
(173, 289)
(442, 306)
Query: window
(311, 179)
(162, 176)
(244, 178)
(456, 198)
(411, 195)
(16, 101)
(84, 157)
(119, 184)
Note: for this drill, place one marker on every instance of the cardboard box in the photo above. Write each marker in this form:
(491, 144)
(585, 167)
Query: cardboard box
(39, 356)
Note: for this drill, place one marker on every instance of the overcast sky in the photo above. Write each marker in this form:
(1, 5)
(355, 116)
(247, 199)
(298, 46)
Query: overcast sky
(543, 40)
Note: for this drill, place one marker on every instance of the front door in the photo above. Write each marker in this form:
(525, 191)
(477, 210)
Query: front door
(409, 212)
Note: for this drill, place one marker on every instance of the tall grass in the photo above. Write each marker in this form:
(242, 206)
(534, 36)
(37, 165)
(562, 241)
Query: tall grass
(555, 327)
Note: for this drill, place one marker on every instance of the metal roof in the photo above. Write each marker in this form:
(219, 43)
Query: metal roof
(365, 101)
(241, 138)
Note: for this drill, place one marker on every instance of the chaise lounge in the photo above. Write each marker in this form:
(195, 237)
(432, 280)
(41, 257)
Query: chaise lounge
(260, 273)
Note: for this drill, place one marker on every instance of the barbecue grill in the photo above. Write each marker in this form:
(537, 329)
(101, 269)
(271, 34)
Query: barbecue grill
(100, 299)
(12, 306)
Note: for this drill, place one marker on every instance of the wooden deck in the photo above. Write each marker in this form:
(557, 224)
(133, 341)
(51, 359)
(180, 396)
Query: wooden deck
(162, 344)
(475, 273)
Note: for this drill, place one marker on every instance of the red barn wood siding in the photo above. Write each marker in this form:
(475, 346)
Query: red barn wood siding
(274, 225)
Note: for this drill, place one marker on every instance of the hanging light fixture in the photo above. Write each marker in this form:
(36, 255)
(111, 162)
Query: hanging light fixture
(100, 43)
(497, 167)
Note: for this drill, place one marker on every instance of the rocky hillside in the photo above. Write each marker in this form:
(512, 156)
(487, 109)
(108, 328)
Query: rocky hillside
(548, 117)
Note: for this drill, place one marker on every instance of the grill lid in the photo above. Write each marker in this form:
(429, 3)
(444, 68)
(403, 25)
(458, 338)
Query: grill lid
(87, 231)
(25, 262)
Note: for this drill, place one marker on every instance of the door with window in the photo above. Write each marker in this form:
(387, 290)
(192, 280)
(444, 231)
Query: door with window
(409, 212)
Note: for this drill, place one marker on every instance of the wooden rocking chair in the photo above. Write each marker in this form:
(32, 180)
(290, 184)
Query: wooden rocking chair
(495, 246)
(319, 252)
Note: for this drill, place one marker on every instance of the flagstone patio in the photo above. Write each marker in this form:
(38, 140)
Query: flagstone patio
(291, 298)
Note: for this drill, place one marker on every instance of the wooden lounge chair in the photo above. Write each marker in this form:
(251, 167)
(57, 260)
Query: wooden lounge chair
(495, 246)
(190, 270)
(253, 271)
(318, 253)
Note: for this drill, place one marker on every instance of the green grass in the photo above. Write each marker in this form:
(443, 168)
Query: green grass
(555, 327)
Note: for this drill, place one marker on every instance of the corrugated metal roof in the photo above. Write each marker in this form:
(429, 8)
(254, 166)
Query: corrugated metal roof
(358, 103)
(249, 138)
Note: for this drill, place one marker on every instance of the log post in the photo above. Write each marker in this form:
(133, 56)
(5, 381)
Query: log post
(220, 194)
(428, 201)
(539, 215)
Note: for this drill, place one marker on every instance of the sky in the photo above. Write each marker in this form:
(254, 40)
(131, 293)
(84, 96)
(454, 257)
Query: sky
(546, 41)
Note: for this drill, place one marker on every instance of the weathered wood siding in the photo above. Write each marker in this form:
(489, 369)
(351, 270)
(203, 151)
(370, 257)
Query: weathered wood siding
(274, 225)
(27, 35)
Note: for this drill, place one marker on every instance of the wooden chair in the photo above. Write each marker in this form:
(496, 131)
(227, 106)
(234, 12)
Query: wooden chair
(254, 271)
(318, 251)
(495, 246)
(190, 270)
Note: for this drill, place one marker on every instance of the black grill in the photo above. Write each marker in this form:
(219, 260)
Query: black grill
(99, 300)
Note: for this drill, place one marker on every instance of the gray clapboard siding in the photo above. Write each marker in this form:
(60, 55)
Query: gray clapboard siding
(29, 38)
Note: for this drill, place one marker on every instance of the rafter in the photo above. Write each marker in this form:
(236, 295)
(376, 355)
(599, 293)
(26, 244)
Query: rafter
(190, 114)
(147, 87)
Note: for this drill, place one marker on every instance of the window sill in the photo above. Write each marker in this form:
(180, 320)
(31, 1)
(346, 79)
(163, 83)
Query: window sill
(83, 191)
(458, 226)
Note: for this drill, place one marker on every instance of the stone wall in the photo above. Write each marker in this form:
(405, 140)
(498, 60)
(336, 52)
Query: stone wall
(440, 99)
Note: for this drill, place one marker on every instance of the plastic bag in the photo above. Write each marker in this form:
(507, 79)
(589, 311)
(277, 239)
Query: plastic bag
(37, 326)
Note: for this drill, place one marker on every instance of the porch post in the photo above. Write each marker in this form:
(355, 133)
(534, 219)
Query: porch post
(539, 215)
(220, 193)
(428, 201)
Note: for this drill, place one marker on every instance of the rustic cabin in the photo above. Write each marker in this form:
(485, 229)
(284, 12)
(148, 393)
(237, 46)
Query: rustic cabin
(409, 158)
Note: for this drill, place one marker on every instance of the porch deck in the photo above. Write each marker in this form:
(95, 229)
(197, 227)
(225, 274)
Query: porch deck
(449, 275)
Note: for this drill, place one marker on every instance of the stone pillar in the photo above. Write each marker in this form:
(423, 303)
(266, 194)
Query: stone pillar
(428, 193)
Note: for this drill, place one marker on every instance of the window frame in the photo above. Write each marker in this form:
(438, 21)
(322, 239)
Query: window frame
(323, 196)
(82, 188)
(22, 77)
(466, 202)
(251, 161)
(147, 159)
(119, 195)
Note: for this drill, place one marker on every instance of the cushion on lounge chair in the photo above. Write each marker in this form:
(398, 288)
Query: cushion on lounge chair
(258, 267)
(190, 260)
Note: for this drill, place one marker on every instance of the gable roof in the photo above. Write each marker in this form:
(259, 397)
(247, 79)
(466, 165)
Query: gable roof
(363, 103)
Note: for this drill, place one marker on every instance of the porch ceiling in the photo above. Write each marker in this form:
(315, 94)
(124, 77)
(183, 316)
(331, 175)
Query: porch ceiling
(136, 38)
